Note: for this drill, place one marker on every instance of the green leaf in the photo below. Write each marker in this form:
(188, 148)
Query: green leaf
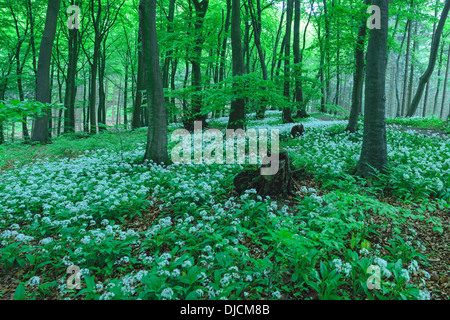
(323, 270)
(19, 294)
(30, 258)
(193, 295)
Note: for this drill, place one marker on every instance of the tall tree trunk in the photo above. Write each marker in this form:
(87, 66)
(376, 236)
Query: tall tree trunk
(425, 100)
(287, 110)
(326, 53)
(397, 94)
(156, 149)
(405, 80)
(432, 62)
(71, 89)
(223, 50)
(411, 76)
(436, 96)
(277, 40)
(140, 85)
(93, 89)
(125, 97)
(201, 8)
(323, 102)
(257, 27)
(32, 43)
(101, 111)
(358, 77)
(237, 112)
(40, 128)
(374, 146)
(445, 85)
(3, 86)
(20, 65)
(298, 57)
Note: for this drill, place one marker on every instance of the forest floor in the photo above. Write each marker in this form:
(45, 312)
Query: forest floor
(431, 132)
(182, 232)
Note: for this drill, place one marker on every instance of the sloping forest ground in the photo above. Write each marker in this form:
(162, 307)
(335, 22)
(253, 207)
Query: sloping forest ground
(181, 232)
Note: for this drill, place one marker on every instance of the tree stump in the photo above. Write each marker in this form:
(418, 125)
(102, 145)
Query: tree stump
(297, 131)
(282, 183)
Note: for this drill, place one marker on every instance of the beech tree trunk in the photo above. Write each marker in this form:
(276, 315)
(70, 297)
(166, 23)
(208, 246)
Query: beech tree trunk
(201, 8)
(140, 85)
(445, 85)
(257, 22)
(374, 147)
(405, 79)
(40, 129)
(436, 96)
(156, 149)
(287, 110)
(237, 113)
(358, 77)
(298, 59)
(71, 89)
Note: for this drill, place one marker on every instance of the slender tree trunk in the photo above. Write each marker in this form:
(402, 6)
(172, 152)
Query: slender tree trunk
(257, 27)
(397, 94)
(223, 50)
(71, 89)
(374, 147)
(425, 101)
(101, 110)
(323, 107)
(358, 77)
(438, 81)
(3, 86)
(32, 43)
(287, 110)
(40, 128)
(433, 55)
(405, 80)
(237, 113)
(298, 58)
(326, 53)
(411, 77)
(277, 40)
(200, 12)
(140, 85)
(125, 97)
(445, 85)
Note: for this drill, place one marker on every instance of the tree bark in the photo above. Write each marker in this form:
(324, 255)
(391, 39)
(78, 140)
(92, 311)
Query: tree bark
(436, 96)
(140, 85)
(405, 80)
(101, 110)
(156, 149)
(287, 110)
(358, 77)
(298, 58)
(71, 89)
(201, 8)
(445, 85)
(237, 112)
(397, 94)
(277, 40)
(40, 128)
(374, 147)
(257, 22)
(425, 100)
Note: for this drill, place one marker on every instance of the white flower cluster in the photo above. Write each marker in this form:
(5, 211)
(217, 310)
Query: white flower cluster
(345, 268)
